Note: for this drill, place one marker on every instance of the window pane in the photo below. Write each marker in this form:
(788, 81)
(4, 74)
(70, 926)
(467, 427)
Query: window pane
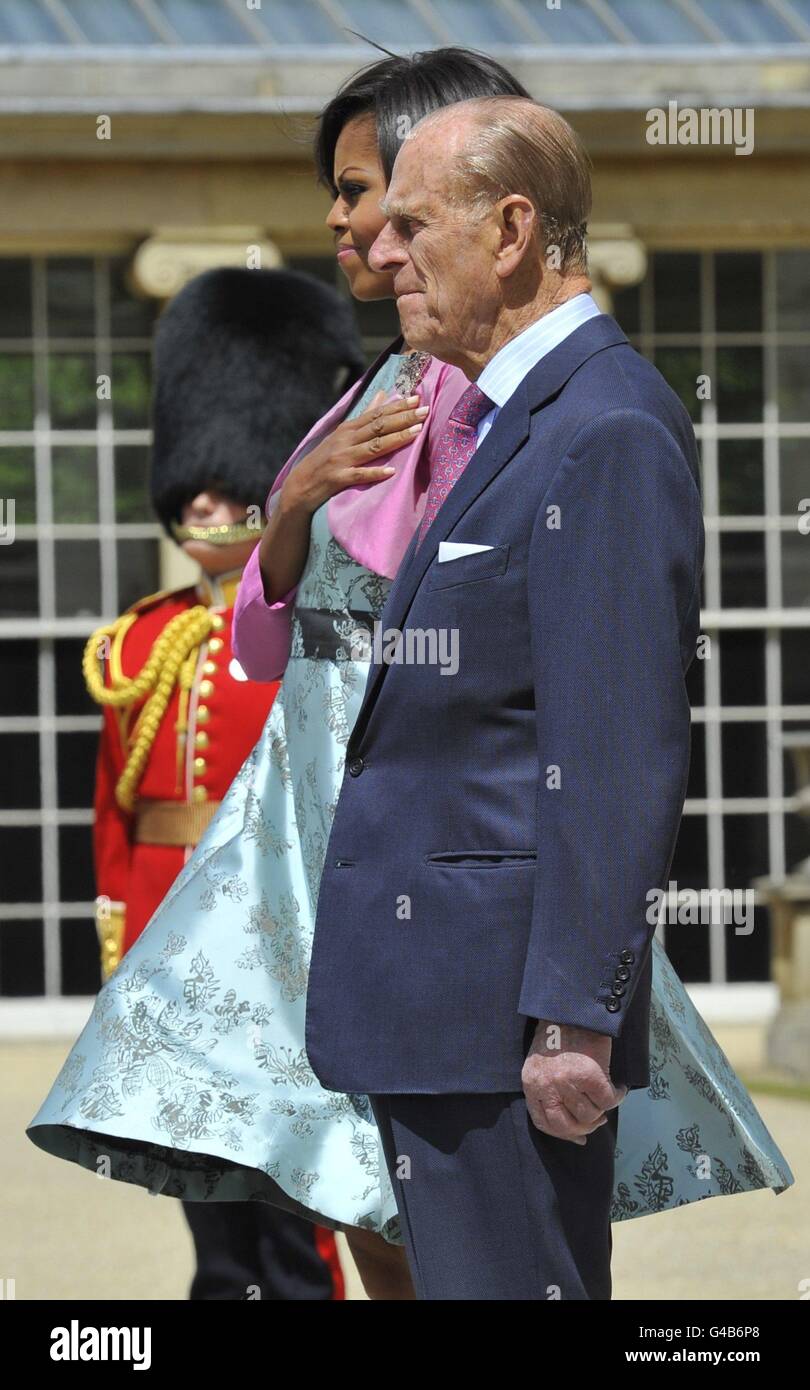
(18, 687)
(132, 484)
(138, 571)
(15, 297)
(797, 828)
(71, 692)
(627, 309)
(19, 583)
(795, 570)
(21, 879)
(676, 291)
(688, 946)
(75, 484)
(81, 963)
(695, 682)
(70, 299)
(796, 666)
(130, 317)
(742, 669)
(130, 391)
(17, 481)
(22, 959)
(739, 385)
(681, 368)
(16, 392)
(794, 392)
(742, 484)
(793, 289)
(75, 766)
(76, 881)
(794, 474)
(78, 579)
(738, 288)
(744, 760)
(748, 953)
(690, 866)
(72, 382)
(742, 570)
(697, 762)
(746, 849)
(19, 771)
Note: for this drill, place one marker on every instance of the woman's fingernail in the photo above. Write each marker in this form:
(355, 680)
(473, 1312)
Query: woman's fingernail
(414, 429)
(412, 400)
(423, 410)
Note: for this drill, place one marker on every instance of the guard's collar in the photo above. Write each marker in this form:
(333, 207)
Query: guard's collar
(219, 590)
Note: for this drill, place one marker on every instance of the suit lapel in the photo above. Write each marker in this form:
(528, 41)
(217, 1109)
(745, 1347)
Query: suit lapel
(508, 434)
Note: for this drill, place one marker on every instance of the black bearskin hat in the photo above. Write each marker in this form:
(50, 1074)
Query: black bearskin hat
(244, 363)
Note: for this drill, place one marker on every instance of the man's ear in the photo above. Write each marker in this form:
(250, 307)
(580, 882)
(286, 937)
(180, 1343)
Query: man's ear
(517, 221)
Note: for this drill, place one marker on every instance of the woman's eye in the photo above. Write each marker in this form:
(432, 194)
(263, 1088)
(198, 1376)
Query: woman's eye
(352, 190)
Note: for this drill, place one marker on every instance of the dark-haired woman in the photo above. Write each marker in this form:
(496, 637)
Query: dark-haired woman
(192, 1074)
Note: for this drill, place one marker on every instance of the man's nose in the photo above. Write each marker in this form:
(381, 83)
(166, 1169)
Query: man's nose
(382, 254)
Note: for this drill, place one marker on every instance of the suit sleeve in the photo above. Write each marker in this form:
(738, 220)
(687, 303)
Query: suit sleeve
(614, 571)
(262, 631)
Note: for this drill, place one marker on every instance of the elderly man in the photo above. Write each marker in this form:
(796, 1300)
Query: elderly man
(481, 963)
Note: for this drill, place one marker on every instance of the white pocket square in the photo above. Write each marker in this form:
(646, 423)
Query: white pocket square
(452, 550)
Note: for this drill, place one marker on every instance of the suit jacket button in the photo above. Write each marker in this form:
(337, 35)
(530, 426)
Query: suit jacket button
(356, 766)
(622, 973)
(612, 1005)
(618, 989)
(627, 958)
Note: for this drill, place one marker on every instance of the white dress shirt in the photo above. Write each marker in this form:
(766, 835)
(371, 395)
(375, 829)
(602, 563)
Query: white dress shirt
(504, 373)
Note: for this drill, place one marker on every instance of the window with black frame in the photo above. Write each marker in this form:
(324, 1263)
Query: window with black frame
(731, 333)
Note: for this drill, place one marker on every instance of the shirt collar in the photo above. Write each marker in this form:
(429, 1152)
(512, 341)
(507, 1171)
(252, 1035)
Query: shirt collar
(511, 363)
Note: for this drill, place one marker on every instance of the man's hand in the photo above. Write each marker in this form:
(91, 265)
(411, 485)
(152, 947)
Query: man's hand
(566, 1081)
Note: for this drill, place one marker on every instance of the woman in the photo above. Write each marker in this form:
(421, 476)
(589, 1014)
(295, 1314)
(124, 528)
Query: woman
(192, 1074)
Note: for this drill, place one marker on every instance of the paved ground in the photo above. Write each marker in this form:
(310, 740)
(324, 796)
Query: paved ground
(67, 1234)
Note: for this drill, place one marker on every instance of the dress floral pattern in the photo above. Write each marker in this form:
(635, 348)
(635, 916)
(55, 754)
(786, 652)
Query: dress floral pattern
(191, 1077)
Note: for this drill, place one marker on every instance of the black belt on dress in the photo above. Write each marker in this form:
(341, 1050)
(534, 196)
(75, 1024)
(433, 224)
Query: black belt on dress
(330, 634)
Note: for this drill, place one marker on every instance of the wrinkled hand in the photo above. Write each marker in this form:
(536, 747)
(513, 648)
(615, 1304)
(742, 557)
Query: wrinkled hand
(566, 1081)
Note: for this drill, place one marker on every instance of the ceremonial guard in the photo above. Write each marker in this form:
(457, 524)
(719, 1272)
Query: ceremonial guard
(244, 363)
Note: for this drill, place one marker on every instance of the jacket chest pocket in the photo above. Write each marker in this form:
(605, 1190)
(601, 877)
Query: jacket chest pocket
(481, 564)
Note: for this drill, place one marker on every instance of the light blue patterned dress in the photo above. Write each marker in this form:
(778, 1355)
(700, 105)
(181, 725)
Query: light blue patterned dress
(191, 1076)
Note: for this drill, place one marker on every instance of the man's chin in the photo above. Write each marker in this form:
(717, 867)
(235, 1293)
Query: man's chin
(417, 328)
(218, 559)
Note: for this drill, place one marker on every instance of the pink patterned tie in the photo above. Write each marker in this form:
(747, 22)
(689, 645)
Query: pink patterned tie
(455, 448)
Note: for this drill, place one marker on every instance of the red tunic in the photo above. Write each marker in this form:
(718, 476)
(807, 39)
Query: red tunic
(226, 715)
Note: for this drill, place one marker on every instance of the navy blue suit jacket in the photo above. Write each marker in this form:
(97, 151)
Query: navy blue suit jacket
(498, 830)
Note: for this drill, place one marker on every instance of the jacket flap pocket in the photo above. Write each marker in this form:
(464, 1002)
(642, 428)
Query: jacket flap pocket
(481, 564)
